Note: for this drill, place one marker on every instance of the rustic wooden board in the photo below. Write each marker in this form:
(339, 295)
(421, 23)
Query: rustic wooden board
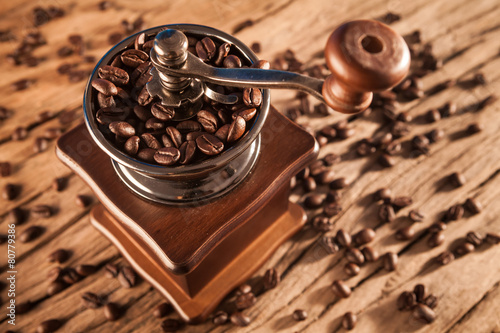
(464, 34)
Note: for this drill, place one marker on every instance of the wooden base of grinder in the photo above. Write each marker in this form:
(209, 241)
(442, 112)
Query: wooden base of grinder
(195, 255)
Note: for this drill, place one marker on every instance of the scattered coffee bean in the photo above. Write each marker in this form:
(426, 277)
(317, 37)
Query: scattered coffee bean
(454, 213)
(322, 223)
(40, 145)
(59, 256)
(386, 160)
(390, 260)
(473, 206)
(55, 287)
(10, 191)
(309, 184)
(54, 274)
(41, 211)
(448, 109)
(437, 227)
(329, 245)
(382, 194)
(70, 276)
(220, 318)
(406, 301)
(31, 234)
(401, 202)
(24, 307)
(405, 233)
(271, 279)
(91, 300)
(423, 313)
(492, 238)
(435, 135)
(240, 319)
(313, 201)
(351, 269)
(463, 249)
(445, 258)
(436, 239)
(162, 310)
(172, 325)
(299, 315)
(5, 169)
(331, 159)
(364, 236)
(370, 254)
(17, 216)
(386, 213)
(245, 288)
(112, 311)
(433, 115)
(474, 238)
(82, 201)
(85, 270)
(354, 255)
(419, 292)
(349, 320)
(20, 133)
(474, 128)
(127, 277)
(325, 177)
(431, 301)
(339, 184)
(49, 326)
(333, 197)
(340, 289)
(111, 270)
(457, 179)
(332, 209)
(21, 84)
(244, 301)
(416, 215)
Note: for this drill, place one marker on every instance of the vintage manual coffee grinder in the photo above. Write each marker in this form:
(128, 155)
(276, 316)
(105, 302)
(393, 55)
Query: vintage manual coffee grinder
(195, 232)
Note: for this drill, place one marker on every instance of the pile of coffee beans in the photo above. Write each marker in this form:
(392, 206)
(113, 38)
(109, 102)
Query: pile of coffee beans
(142, 127)
(420, 304)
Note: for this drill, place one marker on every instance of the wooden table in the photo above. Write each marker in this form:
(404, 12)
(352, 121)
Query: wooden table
(464, 34)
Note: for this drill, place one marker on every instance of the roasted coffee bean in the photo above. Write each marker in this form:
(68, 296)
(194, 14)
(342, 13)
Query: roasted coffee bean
(386, 213)
(246, 114)
(162, 112)
(142, 74)
(329, 245)
(107, 115)
(131, 146)
(435, 135)
(207, 120)
(437, 227)
(146, 154)
(386, 160)
(252, 97)
(231, 61)
(344, 133)
(52, 133)
(244, 289)
(41, 211)
(21, 84)
(351, 269)
(325, 177)
(420, 143)
(127, 277)
(150, 141)
(309, 184)
(405, 233)
(187, 152)
(313, 201)
(55, 274)
(82, 201)
(191, 136)
(464, 249)
(419, 292)
(433, 115)
(423, 313)
(240, 319)
(340, 289)
(333, 197)
(445, 258)
(172, 325)
(332, 209)
(448, 109)
(390, 260)
(370, 254)
(20, 133)
(122, 128)
(431, 301)
(55, 287)
(401, 202)
(134, 58)
(365, 149)
(406, 301)
(382, 194)
(364, 236)
(400, 129)
(492, 238)
(112, 311)
(343, 238)
(299, 315)
(222, 132)
(85, 270)
(474, 238)
(473, 206)
(17, 216)
(10, 191)
(40, 145)
(331, 159)
(338, 184)
(111, 270)
(220, 318)
(24, 307)
(162, 310)
(167, 156)
(436, 239)
(91, 300)
(59, 256)
(355, 256)
(236, 130)
(104, 86)
(349, 320)
(393, 148)
(5, 169)
(271, 279)
(154, 124)
(244, 301)
(113, 74)
(416, 215)
(144, 98)
(222, 53)
(474, 128)
(70, 276)
(205, 49)
(189, 126)
(457, 179)
(31, 234)
(316, 168)
(454, 213)
(209, 144)
(49, 326)
(262, 64)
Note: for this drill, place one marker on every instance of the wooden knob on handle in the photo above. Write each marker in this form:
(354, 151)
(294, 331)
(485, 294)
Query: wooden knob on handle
(363, 56)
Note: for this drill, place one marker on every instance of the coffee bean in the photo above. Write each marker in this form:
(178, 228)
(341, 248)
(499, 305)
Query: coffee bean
(351, 269)
(433, 115)
(431, 301)
(338, 184)
(113, 74)
(21, 84)
(316, 168)
(127, 277)
(20, 133)
(474, 238)
(55, 274)
(146, 154)
(17, 216)
(104, 86)
(24, 307)
(400, 129)
(401, 202)
(329, 245)
(299, 315)
(309, 184)
(112, 311)
(423, 313)
(386, 160)
(332, 209)
(364, 236)
(244, 301)
(343, 238)
(209, 144)
(91, 300)
(31, 234)
(205, 49)
(231, 61)
(220, 318)
(474, 128)
(163, 309)
(386, 213)
(246, 114)
(172, 325)
(108, 115)
(445, 258)
(240, 319)
(122, 129)
(435, 135)
(131, 146)
(382, 194)
(271, 279)
(333, 197)
(464, 249)
(419, 292)
(473, 206)
(82, 201)
(55, 288)
(175, 136)
(236, 130)
(208, 121)
(416, 215)
(222, 53)
(59, 256)
(313, 201)
(49, 326)
(355, 256)
(41, 211)
(448, 109)
(390, 261)
(5, 169)
(40, 145)
(325, 177)
(144, 98)
(405, 233)
(406, 301)
(133, 58)
(340, 289)
(85, 270)
(349, 321)
(162, 112)
(454, 213)
(457, 179)
(252, 97)
(222, 132)
(492, 238)
(436, 239)
(370, 254)
(437, 227)
(10, 191)
(111, 270)
(187, 152)
(70, 276)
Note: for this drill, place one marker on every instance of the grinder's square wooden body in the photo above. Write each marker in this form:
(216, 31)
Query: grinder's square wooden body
(195, 255)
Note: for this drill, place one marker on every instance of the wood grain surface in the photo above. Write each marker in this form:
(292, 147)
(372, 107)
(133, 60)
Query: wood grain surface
(464, 34)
